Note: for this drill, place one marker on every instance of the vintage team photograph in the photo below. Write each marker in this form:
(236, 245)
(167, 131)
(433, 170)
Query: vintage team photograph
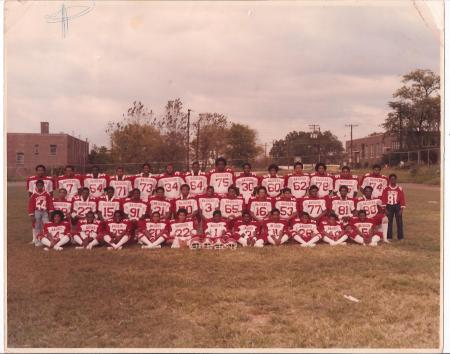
(223, 175)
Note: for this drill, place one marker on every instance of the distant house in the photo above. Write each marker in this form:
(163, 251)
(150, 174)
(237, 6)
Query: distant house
(370, 149)
(26, 150)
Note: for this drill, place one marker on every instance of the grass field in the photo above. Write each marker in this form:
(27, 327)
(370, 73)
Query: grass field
(271, 297)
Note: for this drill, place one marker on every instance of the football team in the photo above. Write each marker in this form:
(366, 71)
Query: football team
(213, 210)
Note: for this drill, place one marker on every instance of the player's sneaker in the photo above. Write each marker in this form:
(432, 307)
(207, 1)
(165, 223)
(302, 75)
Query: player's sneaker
(207, 244)
(231, 244)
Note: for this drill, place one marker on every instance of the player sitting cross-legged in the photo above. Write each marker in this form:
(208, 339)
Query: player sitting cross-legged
(304, 230)
(363, 230)
(151, 233)
(182, 230)
(275, 230)
(56, 232)
(217, 232)
(246, 231)
(117, 232)
(332, 231)
(87, 231)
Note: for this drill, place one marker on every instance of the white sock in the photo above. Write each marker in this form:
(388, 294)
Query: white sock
(78, 239)
(342, 240)
(329, 241)
(384, 227)
(359, 239)
(122, 241)
(92, 244)
(271, 240)
(259, 243)
(313, 241)
(158, 242)
(46, 242)
(284, 239)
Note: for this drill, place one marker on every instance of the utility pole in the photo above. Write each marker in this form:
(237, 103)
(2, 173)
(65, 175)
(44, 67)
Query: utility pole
(315, 135)
(351, 141)
(197, 148)
(265, 150)
(288, 152)
(187, 150)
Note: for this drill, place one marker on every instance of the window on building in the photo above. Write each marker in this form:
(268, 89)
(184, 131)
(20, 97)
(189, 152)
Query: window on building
(20, 158)
(52, 149)
(395, 145)
(36, 149)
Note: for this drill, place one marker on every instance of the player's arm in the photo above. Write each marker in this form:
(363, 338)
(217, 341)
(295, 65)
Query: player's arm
(32, 208)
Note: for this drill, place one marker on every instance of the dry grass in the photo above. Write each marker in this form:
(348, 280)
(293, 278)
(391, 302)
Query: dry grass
(272, 297)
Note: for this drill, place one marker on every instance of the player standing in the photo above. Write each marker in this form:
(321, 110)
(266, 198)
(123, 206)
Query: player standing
(171, 181)
(40, 205)
(260, 205)
(346, 179)
(315, 206)
(96, 182)
(298, 182)
(246, 182)
(70, 181)
(322, 180)
(49, 183)
(393, 199)
(304, 230)
(145, 182)
(196, 179)
(159, 203)
(221, 177)
(376, 180)
(273, 182)
(122, 184)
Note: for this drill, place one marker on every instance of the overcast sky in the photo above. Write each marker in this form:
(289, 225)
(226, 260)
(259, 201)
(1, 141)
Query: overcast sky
(277, 67)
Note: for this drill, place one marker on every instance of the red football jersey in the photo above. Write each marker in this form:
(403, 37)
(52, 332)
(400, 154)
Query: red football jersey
(215, 229)
(40, 201)
(49, 183)
(260, 207)
(113, 228)
(71, 184)
(250, 229)
(88, 228)
(57, 230)
(161, 205)
(232, 206)
(221, 181)
(190, 204)
(313, 206)
(197, 183)
(298, 184)
(155, 229)
(108, 206)
(393, 195)
(304, 229)
(96, 185)
(363, 226)
(287, 207)
(246, 184)
(171, 184)
(135, 210)
(81, 207)
(342, 207)
(377, 182)
(324, 182)
(146, 184)
(274, 185)
(122, 187)
(208, 205)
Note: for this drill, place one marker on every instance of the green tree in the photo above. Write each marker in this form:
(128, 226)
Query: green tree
(99, 155)
(241, 144)
(416, 110)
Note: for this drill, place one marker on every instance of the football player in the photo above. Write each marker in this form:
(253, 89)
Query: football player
(134, 207)
(56, 233)
(159, 203)
(346, 179)
(298, 182)
(185, 201)
(152, 232)
(217, 232)
(87, 231)
(40, 205)
(49, 183)
(260, 205)
(196, 179)
(247, 231)
(221, 177)
(275, 230)
(363, 230)
(393, 199)
(118, 232)
(343, 206)
(304, 230)
(246, 182)
(96, 182)
(332, 231)
(286, 204)
(171, 181)
(273, 182)
(323, 180)
(376, 180)
(182, 230)
(145, 182)
(232, 205)
(374, 210)
(122, 184)
(70, 181)
(208, 202)
(315, 206)
(62, 203)
(81, 204)
(107, 204)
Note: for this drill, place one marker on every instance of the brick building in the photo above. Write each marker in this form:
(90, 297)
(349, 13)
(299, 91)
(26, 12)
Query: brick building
(370, 149)
(26, 150)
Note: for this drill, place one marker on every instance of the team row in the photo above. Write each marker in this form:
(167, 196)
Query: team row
(217, 232)
(220, 178)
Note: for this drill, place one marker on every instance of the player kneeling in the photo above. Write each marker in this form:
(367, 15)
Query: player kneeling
(152, 232)
(246, 231)
(87, 232)
(332, 231)
(217, 232)
(56, 232)
(275, 230)
(117, 232)
(183, 231)
(304, 230)
(363, 230)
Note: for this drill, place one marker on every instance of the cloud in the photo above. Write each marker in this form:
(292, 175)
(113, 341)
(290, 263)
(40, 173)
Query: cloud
(276, 66)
